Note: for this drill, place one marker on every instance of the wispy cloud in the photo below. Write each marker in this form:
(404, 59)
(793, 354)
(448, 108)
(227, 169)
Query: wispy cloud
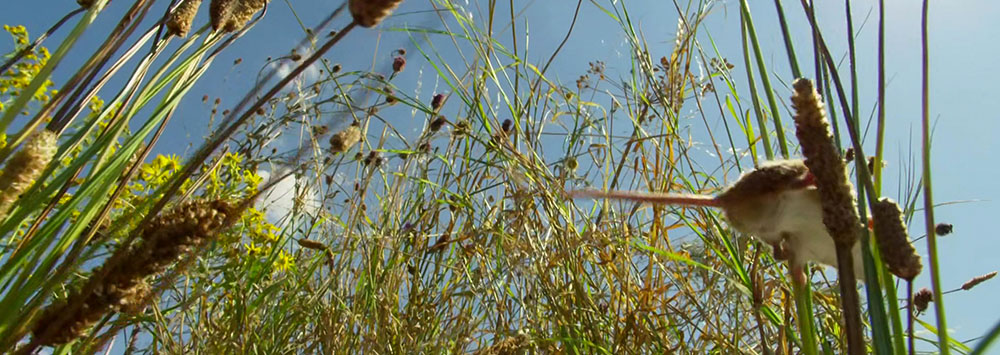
(284, 197)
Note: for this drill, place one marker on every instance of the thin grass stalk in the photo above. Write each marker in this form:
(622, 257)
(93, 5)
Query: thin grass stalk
(987, 340)
(38, 41)
(26, 95)
(765, 79)
(890, 287)
(803, 312)
(942, 323)
(764, 135)
(73, 106)
(876, 301)
(793, 62)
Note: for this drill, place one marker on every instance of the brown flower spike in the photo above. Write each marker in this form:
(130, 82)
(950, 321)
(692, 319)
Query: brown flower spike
(179, 22)
(823, 160)
(24, 168)
(893, 243)
(242, 13)
(219, 12)
(368, 13)
(119, 284)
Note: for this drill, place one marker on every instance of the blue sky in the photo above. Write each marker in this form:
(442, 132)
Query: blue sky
(963, 51)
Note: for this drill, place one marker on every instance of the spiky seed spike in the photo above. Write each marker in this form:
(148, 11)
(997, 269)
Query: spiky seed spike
(968, 285)
(823, 160)
(368, 13)
(25, 167)
(893, 243)
(180, 20)
(242, 13)
(119, 284)
(220, 11)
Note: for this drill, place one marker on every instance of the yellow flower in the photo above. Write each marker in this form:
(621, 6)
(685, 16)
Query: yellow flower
(284, 261)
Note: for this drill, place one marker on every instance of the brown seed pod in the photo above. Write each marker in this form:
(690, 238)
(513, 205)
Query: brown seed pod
(344, 140)
(179, 22)
(437, 101)
(242, 13)
(437, 123)
(25, 167)
(219, 12)
(922, 298)
(119, 284)
(398, 64)
(893, 243)
(968, 285)
(368, 13)
(825, 163)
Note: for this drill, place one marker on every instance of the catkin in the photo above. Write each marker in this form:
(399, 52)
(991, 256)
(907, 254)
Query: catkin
(823, 160)
(368, 13)
(242, 13)
(893, 243)
(180, 20)
(25, 167)
(119, 284)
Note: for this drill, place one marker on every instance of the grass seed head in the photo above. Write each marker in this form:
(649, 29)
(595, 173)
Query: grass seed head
(179, 22)
(344, 140)
(242, 13)
(893, 243)
(119, 284)
(25, 167)
(220, 11)
(398, 64)
(368, 13)
(968, 285)
(437, 123)
(825, 163)
(922, 298)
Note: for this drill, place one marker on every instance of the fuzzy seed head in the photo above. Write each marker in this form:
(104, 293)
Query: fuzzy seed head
(220, 11)
(398, 64)
(898, 254)
(922, 298)
(437, 101)
(368, 13)
(179, 22)
(437, 123)
(119, 284)
(344, 140)
(242, 13)
(25, 167)
(825, 163)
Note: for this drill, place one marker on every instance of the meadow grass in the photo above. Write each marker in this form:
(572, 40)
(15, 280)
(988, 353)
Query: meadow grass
(458, 238)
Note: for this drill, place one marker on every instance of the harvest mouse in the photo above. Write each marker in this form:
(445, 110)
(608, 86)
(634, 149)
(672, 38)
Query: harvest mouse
(778, 203)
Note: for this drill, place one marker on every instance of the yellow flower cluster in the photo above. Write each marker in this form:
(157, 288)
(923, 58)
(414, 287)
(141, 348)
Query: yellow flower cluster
(19, 76)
